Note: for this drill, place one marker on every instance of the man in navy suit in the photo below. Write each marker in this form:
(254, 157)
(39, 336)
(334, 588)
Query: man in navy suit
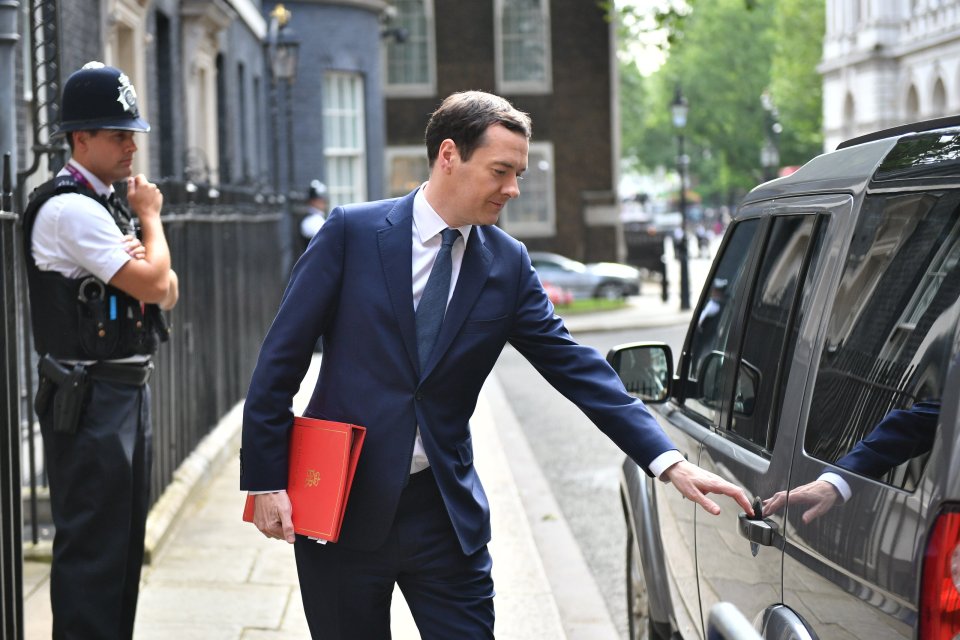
(418, 516)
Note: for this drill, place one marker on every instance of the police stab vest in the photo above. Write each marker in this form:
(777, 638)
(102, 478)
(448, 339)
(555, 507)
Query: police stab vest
(85, 318)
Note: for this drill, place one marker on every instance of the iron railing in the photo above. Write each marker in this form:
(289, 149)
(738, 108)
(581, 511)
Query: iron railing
(228, 261)
(11, 521)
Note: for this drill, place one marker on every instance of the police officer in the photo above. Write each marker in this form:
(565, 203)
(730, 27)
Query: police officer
(316, 211)
(96, 294)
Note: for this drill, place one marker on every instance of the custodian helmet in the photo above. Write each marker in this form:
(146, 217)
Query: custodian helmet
(99, 97)
(317, 190)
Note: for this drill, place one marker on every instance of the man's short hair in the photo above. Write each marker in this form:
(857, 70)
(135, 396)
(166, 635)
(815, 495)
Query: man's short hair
(69, 136)
(465, 116)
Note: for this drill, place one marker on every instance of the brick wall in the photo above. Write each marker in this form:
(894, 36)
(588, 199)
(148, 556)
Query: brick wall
(575, 117)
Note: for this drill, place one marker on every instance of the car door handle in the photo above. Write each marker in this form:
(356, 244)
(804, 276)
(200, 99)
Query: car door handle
(759, 531)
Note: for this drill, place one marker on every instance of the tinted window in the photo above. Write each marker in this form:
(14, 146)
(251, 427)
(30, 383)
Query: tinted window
(714, 322)
(769, 335)
(924, 155)
(889, 339)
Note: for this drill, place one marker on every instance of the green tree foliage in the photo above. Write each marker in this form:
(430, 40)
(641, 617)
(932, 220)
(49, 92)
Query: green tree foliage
(795, 84)
(724, 55)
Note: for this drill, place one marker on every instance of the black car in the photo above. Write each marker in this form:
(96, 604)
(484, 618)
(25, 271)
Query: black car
(823, 377)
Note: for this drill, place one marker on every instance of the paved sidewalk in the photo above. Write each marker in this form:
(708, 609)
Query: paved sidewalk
(215, 577)
(211, 576)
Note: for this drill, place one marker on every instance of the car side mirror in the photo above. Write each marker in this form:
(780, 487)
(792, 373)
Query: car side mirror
(645, 368)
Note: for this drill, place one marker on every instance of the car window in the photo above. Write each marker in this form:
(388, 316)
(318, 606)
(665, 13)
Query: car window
(713, 323)
(890, 337)
(770, 329)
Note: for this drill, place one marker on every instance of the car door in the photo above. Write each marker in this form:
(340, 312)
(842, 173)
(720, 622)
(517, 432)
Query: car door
(852, 567)
(747, 378)
(695, 412)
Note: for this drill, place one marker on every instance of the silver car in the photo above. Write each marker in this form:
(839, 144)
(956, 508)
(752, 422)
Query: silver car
(609, 280)
(824, 378)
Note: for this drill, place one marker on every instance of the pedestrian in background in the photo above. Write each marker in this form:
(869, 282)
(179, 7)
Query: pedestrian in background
(96, 291)
(416, 297)
(316, 211)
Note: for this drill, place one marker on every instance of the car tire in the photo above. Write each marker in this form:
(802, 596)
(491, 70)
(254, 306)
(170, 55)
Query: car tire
(609, 291)
(638, 607)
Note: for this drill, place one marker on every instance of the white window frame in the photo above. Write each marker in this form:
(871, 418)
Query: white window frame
(201, 25)
(125, 48)
(517, 226)
(419, 89)
(410, 152)
(355, 155)
(542, 86)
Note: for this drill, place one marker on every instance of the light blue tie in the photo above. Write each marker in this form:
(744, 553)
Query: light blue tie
(433, 302)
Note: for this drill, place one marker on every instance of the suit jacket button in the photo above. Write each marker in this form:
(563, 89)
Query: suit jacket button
(419, 396)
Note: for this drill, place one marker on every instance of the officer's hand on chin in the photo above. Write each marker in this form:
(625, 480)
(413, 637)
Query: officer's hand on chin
(144, 197)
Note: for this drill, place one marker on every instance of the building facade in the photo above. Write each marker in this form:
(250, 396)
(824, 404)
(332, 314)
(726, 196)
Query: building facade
(553, 59)
(219, 116)
(888, 62)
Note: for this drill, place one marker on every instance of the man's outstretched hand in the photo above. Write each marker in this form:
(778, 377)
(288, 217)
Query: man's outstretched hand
(695, 483)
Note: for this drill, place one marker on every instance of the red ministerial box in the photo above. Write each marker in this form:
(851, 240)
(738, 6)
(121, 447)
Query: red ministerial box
(323, 459)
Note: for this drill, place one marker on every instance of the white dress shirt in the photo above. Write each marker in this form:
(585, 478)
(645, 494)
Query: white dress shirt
(427, 225)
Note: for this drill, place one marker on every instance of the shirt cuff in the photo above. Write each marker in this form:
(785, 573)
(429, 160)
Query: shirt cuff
(839, 484)
(664, 461)
(260, 493)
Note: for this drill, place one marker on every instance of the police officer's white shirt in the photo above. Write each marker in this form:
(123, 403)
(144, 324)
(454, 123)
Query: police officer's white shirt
(76, 236)
(312, 223)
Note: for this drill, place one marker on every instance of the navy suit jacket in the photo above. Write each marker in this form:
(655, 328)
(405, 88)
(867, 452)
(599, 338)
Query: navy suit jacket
(353, 286)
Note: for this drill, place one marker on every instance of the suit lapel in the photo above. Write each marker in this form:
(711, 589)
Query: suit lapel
(396, 257)
(474, 270)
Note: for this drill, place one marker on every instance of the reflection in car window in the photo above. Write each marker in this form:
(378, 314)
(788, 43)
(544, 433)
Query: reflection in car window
(713, 322)
(890, 336)
(924, 155)
(770, 332)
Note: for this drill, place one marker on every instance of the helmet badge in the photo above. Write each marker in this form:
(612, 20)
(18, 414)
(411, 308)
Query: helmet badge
(127, 95)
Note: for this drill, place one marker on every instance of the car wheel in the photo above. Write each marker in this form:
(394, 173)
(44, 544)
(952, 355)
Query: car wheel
(638, 608)
(609, 291)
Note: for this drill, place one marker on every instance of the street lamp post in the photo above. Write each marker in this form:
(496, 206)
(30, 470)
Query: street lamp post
(769, 159)
(770, 151)
(679, 109)
(283, 55)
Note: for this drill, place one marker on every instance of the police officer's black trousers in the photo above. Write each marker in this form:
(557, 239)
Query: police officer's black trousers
(99, 493)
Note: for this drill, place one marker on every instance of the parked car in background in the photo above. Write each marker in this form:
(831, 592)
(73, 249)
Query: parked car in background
(559, 296)
(609, 280)
(824, 378)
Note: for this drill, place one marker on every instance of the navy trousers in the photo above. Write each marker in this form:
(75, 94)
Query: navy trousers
(99, 494)
(347, 594)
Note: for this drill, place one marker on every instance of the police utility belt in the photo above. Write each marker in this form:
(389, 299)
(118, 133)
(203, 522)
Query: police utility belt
(69, 387)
